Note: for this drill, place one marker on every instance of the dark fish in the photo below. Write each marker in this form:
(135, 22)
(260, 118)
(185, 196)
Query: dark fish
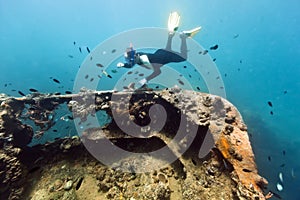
(218, 77)
(235, 36)
(136, 72)
(270, 104)
(70, 56)
(91, 79)
(91, 58)
(225, 75)
(114, 71)
(130, 72)
(239, 69)
(70, 117)
(54, 130)
(157, 87)
(141, 74)
(68, 92)
(282, 165)
(214, 47)
(241, 61)
(190, 76)
(113, 51)
(88, 50)
(74, 42)
(21, 93)
(80, 49)
(56, 81)
(214, 59)
(99, 65)
(221, 87)
(99, 76)
(57, 93)
(86, 76)
(205, 52)
(283, 152)
(109, 76)
(5, 85)
(200, 52)
(271, 113)
(33, 90)
(285, 92)
(198, 88)
(180, 82)
(67, 127)
(184, 66)
(269, 158)
(276, 195)
(13, 90)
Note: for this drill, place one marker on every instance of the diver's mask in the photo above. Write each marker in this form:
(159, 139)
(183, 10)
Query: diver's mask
(130, 56)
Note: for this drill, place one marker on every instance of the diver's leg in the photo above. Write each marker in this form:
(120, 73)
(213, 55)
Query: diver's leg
(154, 74)
(183, 47)
(169, 42)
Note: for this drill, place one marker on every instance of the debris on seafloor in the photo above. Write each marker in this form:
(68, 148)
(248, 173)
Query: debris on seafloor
(64, 169)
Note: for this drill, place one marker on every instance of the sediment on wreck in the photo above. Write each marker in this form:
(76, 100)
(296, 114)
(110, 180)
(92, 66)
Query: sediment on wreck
(217, 120)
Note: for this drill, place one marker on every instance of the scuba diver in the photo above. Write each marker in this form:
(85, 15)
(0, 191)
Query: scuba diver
(160, 57)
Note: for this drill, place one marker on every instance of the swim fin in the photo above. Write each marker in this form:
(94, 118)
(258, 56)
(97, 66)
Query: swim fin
(173, 21)
(192, 32)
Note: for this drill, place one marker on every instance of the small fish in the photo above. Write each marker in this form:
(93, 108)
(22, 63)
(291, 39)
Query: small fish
(221, 87)
(225, 75)
(99, 76)
(80, 49)
(198, 88)
(70, 56)
(33, 90)
(70, 117)
(54, 130)
(74, 43)
(218, 77)
(235, 36)
(13, 90)
(271, 112)
(141, 74)
(91, 58)
(157, 87)
(285, 92)
(269, 158)
(200, 52)
(184, 66)
(125, 87)
(86, 76)
(57, 93)
(279, 187)
(130, 72)
(56, 81)
(282, 165)
(190, 76)
(215, 47)
(114, 71)
(205, 52)
(88, 50)
(180, 82)
(109, 76)
(283, 152)
(5, 85)
(214, 59)
(113, 51)
(92, 79)
(68, 92)
(280, 175)
(270, 104)
(276, 195)
(21, 93)
(241, 61)
(136, 72)
(99, 65)
(239, 69)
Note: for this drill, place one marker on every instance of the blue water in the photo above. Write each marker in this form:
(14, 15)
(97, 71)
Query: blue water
(258, 51)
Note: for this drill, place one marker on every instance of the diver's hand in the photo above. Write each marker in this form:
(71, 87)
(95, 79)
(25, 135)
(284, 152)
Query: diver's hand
(120, 64)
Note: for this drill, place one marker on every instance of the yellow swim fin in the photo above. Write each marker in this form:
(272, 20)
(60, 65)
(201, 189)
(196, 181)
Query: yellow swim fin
(192, 32)
(173, 22)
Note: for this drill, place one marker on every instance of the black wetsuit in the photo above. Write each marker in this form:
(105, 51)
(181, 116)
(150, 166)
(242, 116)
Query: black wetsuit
(163, 56)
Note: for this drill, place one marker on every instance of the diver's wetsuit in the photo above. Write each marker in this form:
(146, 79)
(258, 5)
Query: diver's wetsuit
(163, 56)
